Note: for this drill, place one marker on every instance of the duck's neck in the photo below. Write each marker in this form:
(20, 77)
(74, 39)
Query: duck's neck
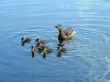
(62, 34)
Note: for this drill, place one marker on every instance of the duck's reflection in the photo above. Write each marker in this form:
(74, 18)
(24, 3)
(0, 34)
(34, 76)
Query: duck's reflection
(33, 55)
(61, 43)
(32, 51)
(44, 56)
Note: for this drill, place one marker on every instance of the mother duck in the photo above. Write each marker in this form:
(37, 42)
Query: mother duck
(64, 34)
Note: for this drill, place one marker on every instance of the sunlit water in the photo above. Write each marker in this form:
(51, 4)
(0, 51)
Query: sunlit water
(88, 56)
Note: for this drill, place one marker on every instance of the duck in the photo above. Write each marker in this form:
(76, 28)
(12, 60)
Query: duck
(60, 50)
(40, 48)
(39, 41)
(25, 40)
(49, 50)
(67, 33)
(39, 44)
(33, 48)
(46, 49)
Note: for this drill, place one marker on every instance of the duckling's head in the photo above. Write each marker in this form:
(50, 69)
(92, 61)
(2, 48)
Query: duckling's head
(22, 41)
(22, 38)
(37, 40)
(59, 47)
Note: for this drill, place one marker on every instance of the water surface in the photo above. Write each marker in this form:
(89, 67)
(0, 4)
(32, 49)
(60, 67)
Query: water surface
(88, 55)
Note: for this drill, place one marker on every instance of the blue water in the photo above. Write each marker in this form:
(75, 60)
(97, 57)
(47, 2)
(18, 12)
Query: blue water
(88, 56)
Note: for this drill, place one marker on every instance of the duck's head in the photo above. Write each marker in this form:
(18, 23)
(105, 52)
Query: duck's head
(59, 49)
(22, 38)
(22, 41)
(59, 27)
(37, 40)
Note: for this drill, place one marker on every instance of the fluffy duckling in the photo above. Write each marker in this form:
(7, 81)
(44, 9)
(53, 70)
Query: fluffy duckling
(32, 50)
(25, 40)
(60, 50)
(65, 33)
(49, 50)
(39, 41)
(46, 50)
(39, 44)
(40, 48)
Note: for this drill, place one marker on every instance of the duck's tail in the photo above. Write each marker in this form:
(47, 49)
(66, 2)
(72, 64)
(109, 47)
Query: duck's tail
(74, 32)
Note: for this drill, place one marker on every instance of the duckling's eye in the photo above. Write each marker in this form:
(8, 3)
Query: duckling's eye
(22, 38)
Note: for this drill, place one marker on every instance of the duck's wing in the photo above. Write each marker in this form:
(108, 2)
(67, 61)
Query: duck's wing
(68, 31)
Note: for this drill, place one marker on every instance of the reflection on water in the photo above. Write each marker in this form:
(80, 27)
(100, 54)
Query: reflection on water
(87, 58)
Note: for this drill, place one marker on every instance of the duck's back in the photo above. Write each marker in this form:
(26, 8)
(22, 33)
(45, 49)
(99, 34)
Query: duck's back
(69, 31)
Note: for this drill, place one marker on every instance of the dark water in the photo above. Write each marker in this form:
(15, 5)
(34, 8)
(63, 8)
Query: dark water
(88, 55)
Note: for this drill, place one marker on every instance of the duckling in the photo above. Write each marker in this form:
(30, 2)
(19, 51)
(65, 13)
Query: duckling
(40, 48)
(46, 50)
(39, 41)
(60, 50)
(25, 40)
(65, 33)
(49, 50)
(32, 50)
(38, 44)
